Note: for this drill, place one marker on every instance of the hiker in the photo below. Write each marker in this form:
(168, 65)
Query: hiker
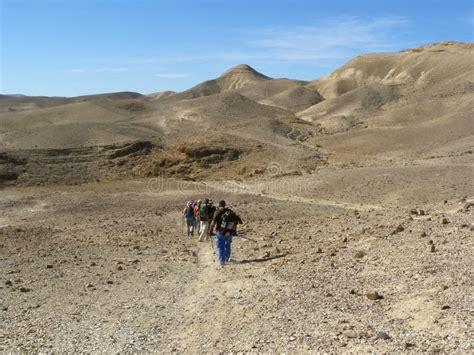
(205, 218)
(212, 212)
(225, 222)
(189, 217)
(197, 225)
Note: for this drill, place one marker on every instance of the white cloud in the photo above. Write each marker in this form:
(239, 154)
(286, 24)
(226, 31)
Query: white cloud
(331, 39)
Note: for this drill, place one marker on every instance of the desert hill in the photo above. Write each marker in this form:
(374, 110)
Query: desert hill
(386, 100)
(416, 103)
(295, 98)
(237, 77)
(419, 68)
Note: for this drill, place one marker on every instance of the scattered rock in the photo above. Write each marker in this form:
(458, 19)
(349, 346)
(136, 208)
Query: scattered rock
(399, 229)
(433, 248)
(374, 295)
(467, 206)
(444, 220)
(49, 266)
(24, 289)
(423, 234)
(417, 212)
(8, 283)
(350, 334)
(382, 336)
(409, 345)
(445, 307)
(319, 251)
(359, 254)
(120, 268)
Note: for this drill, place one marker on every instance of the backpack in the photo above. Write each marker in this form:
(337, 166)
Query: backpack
(212, 210)
(204, 214)
(189, 212)
(229, 221)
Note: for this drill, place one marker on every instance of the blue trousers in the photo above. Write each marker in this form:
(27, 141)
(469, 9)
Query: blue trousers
(223, 246)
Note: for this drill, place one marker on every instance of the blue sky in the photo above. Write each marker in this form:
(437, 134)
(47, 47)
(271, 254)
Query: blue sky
(71, 47)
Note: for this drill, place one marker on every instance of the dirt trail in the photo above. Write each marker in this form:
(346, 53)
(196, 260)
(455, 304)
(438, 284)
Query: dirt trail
(194, 306)
(260, 190)
(217, 305)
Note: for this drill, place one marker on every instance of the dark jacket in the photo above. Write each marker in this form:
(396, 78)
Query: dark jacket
(217, 219)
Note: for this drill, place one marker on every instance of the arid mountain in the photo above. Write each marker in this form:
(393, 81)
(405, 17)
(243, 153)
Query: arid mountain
(237, 77)
(416, 103)
(423, 67)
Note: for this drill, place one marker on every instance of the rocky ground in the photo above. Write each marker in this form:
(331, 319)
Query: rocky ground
(107, 267)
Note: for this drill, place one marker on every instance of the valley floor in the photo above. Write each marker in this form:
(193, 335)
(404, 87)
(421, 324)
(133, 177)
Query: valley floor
(107, 267)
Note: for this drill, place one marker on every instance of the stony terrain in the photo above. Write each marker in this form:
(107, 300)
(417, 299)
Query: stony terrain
(107, 267)
(355, 190)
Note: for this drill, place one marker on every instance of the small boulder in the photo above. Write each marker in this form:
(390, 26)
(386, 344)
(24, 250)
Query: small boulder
(350, 334)
(374, 295)
(400, 228)
(382, 336)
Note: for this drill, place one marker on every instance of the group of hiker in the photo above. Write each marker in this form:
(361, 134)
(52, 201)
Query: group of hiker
(207, 220)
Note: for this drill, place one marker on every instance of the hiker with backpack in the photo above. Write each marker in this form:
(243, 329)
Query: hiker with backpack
(225, 222)
(189, 217)
(205, 217)
(212, 211)
(197, 225)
